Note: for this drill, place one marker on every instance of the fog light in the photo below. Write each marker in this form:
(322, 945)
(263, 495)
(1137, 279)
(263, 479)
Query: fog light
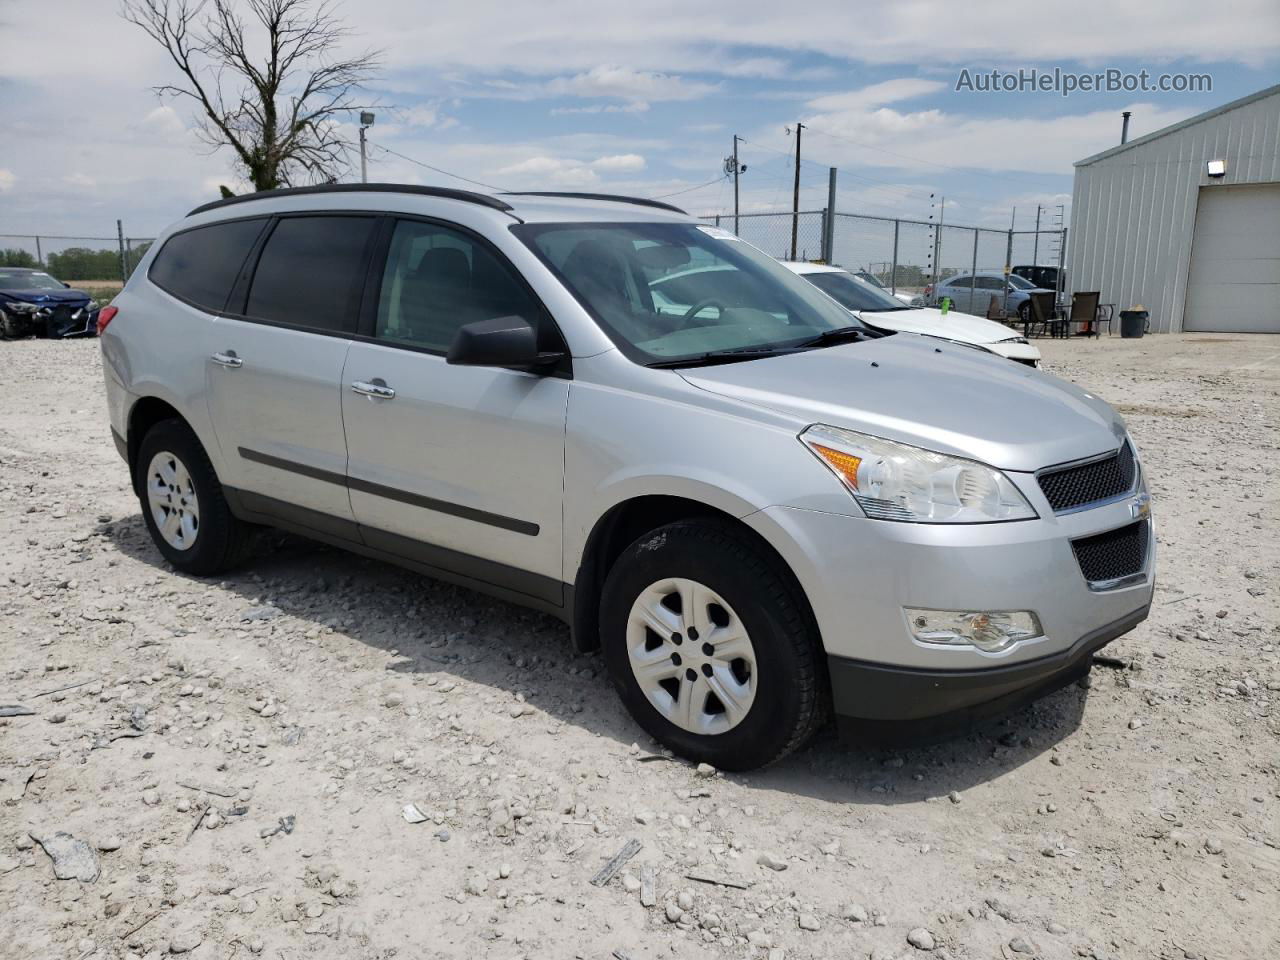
(989, 630)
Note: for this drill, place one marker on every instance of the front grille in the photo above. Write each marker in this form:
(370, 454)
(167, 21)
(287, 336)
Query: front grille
(1117, 553)
(1069, 487)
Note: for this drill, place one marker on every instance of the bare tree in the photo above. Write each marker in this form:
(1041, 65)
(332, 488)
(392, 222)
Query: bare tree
(273, 90)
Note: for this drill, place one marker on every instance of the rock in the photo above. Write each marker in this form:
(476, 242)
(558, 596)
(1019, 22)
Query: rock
(855, 912)
(807, 921)
(705, 770)
(258, 613)
(759, 938)
(412, 814)
(393, 700)
(630, 883)
(108, 844)
(72, 859)
(151, 797)
(674, 913)
(1021, 945)
(185, 941)
(921, 939)
(772, 862)
(477, 885)
(1135, 723)
(1056, 929)
(684, 900)
(1213, 846)
(954, 796)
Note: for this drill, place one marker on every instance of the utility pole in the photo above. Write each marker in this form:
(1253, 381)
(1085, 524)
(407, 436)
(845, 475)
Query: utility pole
(795, 197)
(1035, 246)
(829, 223)
(366, 121)
(732, 166)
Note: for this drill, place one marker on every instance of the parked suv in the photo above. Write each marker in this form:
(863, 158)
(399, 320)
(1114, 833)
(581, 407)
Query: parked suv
(760, 510)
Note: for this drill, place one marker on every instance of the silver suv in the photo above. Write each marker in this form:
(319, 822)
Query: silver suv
(759, 510)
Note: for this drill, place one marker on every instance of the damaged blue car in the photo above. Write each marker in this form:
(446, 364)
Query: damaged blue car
(33, 302)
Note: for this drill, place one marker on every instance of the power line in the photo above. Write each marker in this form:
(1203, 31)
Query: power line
(478, 183)
(663, 196)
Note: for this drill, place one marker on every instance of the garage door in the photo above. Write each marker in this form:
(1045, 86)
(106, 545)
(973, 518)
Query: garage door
(1235, 260)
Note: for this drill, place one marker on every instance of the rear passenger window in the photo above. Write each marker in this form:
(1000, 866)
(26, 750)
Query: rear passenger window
(437, 279)
(311, 272)
(200, 265)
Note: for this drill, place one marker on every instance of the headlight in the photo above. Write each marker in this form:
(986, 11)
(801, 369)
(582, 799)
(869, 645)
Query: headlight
(1015, 340)
(18, 306)
(894, 481)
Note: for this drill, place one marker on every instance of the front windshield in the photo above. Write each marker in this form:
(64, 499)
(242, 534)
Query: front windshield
(675, 291)
(1020, 282)
(853, 292)
(27, 280)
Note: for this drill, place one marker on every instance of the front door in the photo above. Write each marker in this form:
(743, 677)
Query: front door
(275, 378)
(460, 468)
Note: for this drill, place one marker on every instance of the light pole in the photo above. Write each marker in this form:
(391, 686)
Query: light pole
(731, 166)
(366, 121)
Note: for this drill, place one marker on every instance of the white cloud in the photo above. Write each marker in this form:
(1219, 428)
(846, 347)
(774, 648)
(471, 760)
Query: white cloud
(80, 180)
(619, 163)
(164, 119)
(889, 91)
(635, 106)
(7, 179)
(625, 83)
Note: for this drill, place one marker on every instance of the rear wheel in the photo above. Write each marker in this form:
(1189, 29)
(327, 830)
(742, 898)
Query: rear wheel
(710, 647)
(183, 503)
(1024, 311)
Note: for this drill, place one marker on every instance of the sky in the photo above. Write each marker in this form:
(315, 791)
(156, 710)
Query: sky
(641, 98)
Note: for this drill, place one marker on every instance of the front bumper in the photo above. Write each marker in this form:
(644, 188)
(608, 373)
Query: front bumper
(881, 703)
(860, 575)
(1021, 352)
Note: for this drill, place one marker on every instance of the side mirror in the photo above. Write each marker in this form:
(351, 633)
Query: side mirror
(509, 342)
(67, 285)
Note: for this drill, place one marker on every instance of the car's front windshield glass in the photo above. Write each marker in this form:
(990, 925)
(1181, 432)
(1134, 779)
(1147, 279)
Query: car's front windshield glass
(677, 291)
(24, 280)
(852, 292)
(1020, 283)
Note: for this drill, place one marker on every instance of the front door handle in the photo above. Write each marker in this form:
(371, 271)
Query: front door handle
(228, 359)
(376, 389)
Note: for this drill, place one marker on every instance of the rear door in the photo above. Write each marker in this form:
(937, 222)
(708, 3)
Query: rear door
(460, 468)
(275, 377)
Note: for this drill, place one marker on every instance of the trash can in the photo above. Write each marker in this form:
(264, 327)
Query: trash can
(1133, 323)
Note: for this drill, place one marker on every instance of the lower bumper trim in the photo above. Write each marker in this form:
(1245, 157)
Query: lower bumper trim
(881, 702)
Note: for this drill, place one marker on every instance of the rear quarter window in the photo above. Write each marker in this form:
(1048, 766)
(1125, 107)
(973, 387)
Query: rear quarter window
(201, 265)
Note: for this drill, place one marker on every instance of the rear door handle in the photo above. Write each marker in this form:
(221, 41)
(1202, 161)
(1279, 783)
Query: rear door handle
(375, 389)
(228, 359)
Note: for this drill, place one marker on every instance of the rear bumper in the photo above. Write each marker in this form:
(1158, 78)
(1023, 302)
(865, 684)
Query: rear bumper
(880, 702)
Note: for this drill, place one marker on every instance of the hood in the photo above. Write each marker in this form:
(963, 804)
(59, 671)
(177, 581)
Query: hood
(944, 397)
(953, 326)
(45, 296)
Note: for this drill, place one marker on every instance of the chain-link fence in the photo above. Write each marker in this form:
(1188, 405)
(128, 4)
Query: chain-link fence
(906, 256)
(106, 261)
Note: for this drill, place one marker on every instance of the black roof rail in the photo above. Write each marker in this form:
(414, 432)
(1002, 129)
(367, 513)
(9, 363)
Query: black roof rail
(638, 201)
(467, 196)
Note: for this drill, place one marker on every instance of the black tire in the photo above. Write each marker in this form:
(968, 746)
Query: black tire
(1024, 311)
(221, 540)
(11, 328)
(791, 695)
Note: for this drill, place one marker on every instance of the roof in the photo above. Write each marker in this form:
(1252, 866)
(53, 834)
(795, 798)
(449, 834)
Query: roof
(1180, 125)
(522, 205)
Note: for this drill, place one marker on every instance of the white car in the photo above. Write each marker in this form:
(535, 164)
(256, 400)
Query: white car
(879, 308)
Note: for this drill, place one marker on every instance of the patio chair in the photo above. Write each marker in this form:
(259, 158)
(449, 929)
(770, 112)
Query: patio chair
(1043, 314)
(1086, 312)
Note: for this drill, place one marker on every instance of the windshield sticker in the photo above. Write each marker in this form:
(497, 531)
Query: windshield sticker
(719, 233)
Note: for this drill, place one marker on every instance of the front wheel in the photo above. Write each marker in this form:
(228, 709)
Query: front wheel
(710, 647)
(11, 328)
(183, 504)
(1024, 311)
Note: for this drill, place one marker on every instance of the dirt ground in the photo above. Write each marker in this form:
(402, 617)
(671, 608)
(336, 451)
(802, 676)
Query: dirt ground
(237, 755)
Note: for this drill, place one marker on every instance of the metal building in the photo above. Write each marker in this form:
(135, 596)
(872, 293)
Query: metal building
(1186, 221)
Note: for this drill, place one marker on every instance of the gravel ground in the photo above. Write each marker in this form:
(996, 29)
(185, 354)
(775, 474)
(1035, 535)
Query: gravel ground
(233, 759)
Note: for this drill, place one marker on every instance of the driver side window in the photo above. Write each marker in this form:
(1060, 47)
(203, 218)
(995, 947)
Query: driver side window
(436, 280)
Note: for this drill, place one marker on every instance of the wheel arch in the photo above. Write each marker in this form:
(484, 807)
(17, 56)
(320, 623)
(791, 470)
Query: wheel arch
(629, 519)
(145, 413)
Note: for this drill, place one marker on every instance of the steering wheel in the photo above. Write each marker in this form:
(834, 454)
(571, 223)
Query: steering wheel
(701, 305)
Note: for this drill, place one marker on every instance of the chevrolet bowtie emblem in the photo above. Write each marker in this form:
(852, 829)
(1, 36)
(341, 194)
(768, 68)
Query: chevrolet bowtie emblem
(1140, 506)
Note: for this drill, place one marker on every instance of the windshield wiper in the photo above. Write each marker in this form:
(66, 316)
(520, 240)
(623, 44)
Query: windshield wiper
(720, 356)
(840, 335)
